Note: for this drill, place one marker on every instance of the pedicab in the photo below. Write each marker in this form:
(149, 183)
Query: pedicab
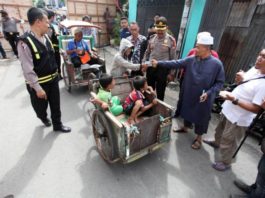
(118, 141)
(84, 75)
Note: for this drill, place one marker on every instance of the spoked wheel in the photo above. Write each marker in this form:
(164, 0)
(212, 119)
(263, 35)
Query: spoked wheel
(104, 137)
(66, 78)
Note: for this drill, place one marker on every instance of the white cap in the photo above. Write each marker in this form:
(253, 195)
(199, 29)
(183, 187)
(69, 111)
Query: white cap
(77, 30)
(204, 38)
(203, 33)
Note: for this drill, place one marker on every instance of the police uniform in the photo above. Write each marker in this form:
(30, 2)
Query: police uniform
(40, 71)
(55, 43)
(159, 49)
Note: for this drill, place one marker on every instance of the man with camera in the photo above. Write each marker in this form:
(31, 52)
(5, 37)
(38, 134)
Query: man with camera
(256, 190)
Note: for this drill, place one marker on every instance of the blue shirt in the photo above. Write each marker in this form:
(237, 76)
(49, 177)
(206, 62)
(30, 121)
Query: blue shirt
(124, 33)
(77, 45)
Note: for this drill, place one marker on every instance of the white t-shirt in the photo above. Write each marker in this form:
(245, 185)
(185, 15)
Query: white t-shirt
(252, 91)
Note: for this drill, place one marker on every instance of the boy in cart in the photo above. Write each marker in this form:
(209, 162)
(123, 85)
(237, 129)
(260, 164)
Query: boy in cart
(136, 103)
(104, 97)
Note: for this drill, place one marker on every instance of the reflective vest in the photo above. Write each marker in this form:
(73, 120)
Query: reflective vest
(44, 64)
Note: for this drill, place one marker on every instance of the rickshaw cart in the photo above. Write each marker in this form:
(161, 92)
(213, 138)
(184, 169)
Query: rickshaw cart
(117, 141)
(86, 71)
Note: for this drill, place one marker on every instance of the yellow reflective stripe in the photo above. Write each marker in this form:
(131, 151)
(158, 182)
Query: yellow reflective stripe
(37, 55)
(49, 41)
(43, 81)
(55, 45)
(46, 78)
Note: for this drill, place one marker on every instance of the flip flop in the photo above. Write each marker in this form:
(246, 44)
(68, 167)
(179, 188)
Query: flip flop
(211, 143)
(220, 166)
(196, 144)
(181, 130)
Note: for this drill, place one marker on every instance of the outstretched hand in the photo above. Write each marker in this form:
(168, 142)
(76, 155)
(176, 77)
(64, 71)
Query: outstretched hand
(154, 63)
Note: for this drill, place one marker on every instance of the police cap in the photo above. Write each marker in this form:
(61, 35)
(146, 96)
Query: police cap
(161, 23)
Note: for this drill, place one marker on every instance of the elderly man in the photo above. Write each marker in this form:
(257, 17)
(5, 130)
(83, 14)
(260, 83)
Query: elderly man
(238, 111)
(161, 46)
(137, 40)
(204, 77)
(77, 48)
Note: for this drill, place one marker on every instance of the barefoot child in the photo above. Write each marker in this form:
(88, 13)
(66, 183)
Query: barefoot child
(135, 103)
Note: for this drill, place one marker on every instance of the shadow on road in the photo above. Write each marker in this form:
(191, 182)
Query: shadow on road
(17, 178)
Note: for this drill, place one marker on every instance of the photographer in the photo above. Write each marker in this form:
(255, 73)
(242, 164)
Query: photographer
(256, 190)
(239, 109)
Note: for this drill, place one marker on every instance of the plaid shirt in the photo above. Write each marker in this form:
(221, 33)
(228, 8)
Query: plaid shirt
(137, 46)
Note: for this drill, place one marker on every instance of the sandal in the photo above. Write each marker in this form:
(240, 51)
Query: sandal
(220, 166)
(181, 130)
(196, 144)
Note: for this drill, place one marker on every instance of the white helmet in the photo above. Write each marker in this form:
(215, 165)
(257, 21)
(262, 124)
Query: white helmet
(204, 38)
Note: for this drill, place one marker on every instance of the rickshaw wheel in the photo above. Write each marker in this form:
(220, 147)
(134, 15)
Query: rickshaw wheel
(66, 78)
(104, 136)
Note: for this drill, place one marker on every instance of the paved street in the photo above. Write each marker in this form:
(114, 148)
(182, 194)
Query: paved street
(36, 162)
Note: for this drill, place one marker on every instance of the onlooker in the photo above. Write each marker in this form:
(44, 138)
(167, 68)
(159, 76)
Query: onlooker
(161, 46)
(135, 103)
(55, 42)
(136, 39)
(255, 190)
(122, 64)
(238, 111)
(2, 51)
(9, 25)
(124, 31)
(109, 22)
(89, 31)
(151, 29)
(204, 77)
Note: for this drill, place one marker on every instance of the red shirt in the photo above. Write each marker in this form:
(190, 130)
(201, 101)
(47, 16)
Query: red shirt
(132, 98)
(193, 52)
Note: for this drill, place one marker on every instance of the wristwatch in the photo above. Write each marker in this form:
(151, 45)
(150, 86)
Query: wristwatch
(235, 102)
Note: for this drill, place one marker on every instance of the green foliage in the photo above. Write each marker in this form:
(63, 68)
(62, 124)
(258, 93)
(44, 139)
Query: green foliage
(116, 29)
(40, 4)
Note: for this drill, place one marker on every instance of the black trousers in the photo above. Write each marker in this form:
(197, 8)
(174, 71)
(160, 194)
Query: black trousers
(53, 100)
(2, 51)
(157, 79)
(258, 189)
(12, 38)
(179, 104)
(58, 59)
(199, 129)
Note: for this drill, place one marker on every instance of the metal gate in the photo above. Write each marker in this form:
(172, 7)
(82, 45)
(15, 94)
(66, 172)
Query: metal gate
(171, 9)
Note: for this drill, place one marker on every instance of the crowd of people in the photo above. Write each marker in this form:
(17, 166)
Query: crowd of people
(148, 60)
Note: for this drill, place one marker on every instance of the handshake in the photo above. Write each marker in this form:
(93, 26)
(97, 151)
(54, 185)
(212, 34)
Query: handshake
(145, 65)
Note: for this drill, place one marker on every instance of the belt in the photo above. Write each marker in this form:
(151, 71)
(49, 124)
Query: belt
(47, 78)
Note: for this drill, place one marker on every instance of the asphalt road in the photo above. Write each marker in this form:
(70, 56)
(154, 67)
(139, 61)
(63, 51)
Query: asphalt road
(36, 162)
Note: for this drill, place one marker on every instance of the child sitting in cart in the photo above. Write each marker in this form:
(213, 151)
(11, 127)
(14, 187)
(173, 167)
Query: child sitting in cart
(136, 102)
(104, 98)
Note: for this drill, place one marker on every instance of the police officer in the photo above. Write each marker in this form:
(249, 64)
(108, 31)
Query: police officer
(161, 46)
(53, 36)
(36, 55)
(10, 30)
